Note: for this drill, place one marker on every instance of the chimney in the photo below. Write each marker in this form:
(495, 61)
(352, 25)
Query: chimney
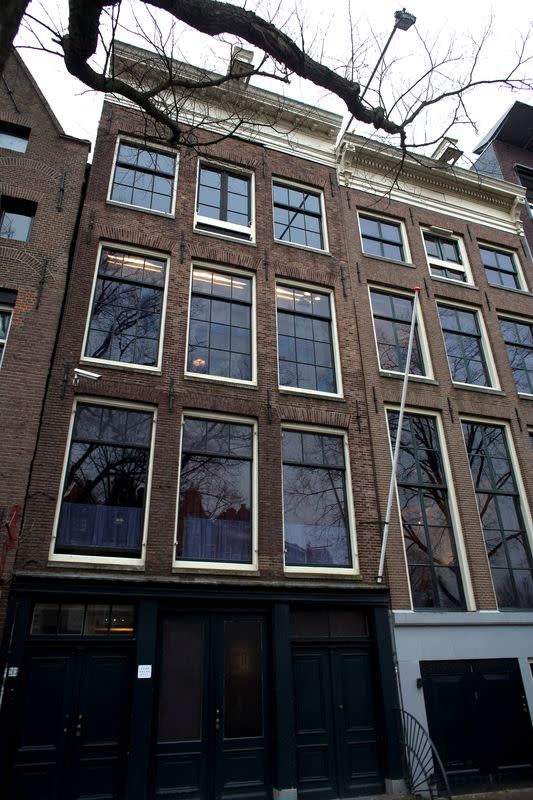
(447, 152)
(241, 61)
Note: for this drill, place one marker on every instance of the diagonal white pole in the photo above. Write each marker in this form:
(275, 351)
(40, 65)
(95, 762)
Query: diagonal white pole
(392, 485)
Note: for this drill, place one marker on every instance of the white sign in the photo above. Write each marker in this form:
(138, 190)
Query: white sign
(144, 671)
(12, 672)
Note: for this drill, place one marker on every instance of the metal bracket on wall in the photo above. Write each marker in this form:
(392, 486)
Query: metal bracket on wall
(450, 409)
(358, 415)
(40, 285)
(348, 199)
(270, 410)
(518, 419)
(266, 265)
(61, 192)
(343, 279)
(331, 185)
(375, 399)
(90, 226)
(182, 247)
(488, 302)
(11, 94)
(426, 287)
(171, 394)
(64, 380)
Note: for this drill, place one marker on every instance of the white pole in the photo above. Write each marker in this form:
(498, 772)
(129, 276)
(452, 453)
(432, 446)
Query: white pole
(392, 485)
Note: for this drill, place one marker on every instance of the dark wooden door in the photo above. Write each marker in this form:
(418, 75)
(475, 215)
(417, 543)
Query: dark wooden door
(337, 741)
(478, 716)
(73, 723)
(212, 729)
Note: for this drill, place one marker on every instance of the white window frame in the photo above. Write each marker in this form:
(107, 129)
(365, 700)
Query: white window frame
(228, 270)
(335, 340)
(226, 228)
(312, 190)
(523, 287)
(104, 362)
(391, 221)
(9, 310)
(520, 321)
(93, 560)
(464, 267)
(422, 337)
(522, 496)
(457, 531)
(495, 385)
(352, 536)
(144, 146)
(179, 565)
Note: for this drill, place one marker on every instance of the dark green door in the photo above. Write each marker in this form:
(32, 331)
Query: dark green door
(212, 726)
(337, 742)
(72, 724)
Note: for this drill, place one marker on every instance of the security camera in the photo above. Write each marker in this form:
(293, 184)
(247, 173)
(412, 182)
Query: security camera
(84, 373)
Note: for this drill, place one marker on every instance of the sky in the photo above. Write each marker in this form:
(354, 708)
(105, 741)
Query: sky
(456, 24)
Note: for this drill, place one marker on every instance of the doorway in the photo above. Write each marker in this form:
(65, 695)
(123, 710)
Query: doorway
(212, 714)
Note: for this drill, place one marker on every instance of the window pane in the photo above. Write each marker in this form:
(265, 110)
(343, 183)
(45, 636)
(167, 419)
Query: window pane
(243, 706)
(143, 177)
(297, 216)
(182, 681)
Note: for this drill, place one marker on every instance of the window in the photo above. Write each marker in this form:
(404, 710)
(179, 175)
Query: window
(5, 324)
(464, 346)
(392, 315)
(298, 216)
(14, 137)
(220, 325)
(103, 507)
(78, 619)
(518, 338)
(425, 514)
(125, 321)
(306, 339)
(501, 516)
(316, 520)
(144, 178)
(525, 176)
(446, 257)
(382, 238)
(16, 218)
(224, 202)
(216, 495)
(501, 268)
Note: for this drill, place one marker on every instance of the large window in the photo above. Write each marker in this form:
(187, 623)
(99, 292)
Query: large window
(518, 337)
(306, 339)
(315, 503)
(16, 218)
(446, 257)
(425, 514)
(220, 325)
(464, 345)
(215, 514)
(392, 314)
(501, 268)
(144, 178)
(5, 324)
(224, 202)
(298, 216)
(14, 137)
(103, 500)
(501, 515)
(125, 322)
(382, 237)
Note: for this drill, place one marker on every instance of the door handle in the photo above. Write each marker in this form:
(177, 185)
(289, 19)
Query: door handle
(78, 729)
(340, 706)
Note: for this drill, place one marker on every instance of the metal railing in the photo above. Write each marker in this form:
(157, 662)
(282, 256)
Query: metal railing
(424, 771)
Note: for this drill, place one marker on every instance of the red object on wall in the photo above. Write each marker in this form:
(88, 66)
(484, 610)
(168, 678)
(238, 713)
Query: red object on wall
(10, 540)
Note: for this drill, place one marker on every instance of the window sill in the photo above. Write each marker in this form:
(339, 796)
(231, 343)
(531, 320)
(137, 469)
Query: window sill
(323, 572)
(201, 567)
(463, 284)
(288, 390)
(389, 260)
(525, 396)
(412, 378)
(168, 215)
(119, 365)
(509, 289)
(303, 247)
(193, 376)
(470, 387)
(227, 237)
(96, 562)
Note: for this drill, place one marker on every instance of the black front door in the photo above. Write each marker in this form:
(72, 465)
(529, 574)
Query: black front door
(478, 718)
(337, 743)
(212, 720)
(72, 724)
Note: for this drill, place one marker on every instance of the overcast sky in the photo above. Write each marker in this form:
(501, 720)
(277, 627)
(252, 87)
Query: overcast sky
(327, 29)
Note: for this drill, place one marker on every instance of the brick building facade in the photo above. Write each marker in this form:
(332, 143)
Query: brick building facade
(195, 611)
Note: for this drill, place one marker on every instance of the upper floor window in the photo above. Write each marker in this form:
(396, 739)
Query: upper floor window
(5, 324)
(144, 178)
(500, 510)
(103, 502)
(317, 527)
(298, 216)
(518, 338)
(125, 321)
(224, 202)
(392, 314)
(446, 257)
(425, 514)
(220, 325)
(14, 137)
(307, 346)
(382, 237)
(525, 176)
(217, 487)
(16, 218)
(465, 346)
(501, 268)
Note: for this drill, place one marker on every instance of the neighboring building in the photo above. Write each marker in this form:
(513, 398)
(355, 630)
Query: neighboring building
(195, 611)
(42, 173)
(506, 152)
